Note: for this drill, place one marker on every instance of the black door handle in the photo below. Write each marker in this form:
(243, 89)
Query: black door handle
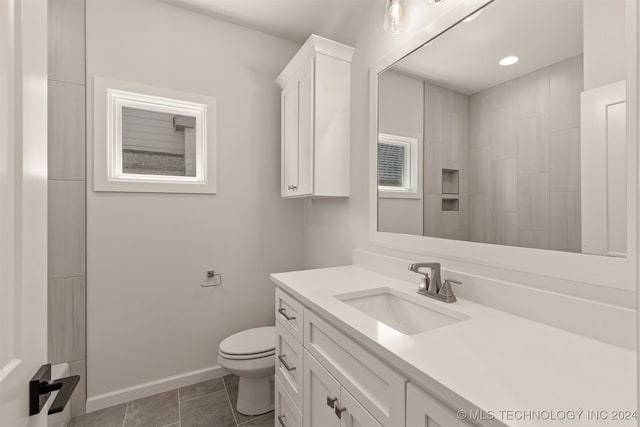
(41, 386)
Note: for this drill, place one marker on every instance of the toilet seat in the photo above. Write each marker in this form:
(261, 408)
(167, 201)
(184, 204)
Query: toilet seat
(250, 344)
(246, 356)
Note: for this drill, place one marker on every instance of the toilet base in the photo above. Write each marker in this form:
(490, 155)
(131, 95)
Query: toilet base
(255, 395)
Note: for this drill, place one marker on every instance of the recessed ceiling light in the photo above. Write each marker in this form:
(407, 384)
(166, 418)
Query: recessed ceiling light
(472, 17)
(509, 60)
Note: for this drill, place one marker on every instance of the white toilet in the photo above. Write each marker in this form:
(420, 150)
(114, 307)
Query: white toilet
(250, 355)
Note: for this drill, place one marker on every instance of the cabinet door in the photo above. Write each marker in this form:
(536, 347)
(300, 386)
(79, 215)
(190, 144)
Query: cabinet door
(289, 148)
(423, 410)
(320, 388)
(354, 414)
(305, 131)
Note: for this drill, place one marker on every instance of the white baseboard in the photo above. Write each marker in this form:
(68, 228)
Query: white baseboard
(124, 395)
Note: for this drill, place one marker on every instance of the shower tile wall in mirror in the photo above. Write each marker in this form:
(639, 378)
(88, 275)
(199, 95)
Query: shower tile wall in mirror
(530, 154)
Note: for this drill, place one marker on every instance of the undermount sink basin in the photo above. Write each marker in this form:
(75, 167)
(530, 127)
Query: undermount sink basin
(404, 313)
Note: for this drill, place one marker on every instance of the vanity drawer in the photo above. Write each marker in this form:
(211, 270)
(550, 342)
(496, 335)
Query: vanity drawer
(286, 412)
(290, 312)
(378, 388)
(289, 359)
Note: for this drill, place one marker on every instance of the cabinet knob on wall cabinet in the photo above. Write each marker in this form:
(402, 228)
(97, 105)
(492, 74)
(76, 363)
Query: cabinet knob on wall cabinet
(294, 187)
(281, 420)
(339, 411)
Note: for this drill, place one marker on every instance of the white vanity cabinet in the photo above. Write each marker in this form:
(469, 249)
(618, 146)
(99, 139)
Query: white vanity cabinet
(325, 379)
(315, 120)
(423, 410)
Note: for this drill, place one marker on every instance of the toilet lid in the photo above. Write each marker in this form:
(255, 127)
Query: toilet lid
(250, 341)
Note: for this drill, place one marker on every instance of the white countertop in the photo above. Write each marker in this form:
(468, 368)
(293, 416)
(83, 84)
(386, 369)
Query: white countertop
(495, 361)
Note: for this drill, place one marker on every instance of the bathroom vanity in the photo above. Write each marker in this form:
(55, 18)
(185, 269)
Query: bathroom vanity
(356, 347)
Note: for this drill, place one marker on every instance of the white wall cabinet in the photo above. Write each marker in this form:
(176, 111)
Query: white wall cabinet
(315, 119)
(331, 381)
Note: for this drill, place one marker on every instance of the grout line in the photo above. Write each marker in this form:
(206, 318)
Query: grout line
(125, 413)
(202, 395)
(233, 412)
(179, 412)
(258, 417)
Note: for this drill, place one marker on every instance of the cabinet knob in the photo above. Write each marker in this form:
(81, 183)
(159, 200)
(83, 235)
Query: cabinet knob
(339, 411)
(283, 312)
(283, 360)
(331, 401)
(294, 187)
(281, 420)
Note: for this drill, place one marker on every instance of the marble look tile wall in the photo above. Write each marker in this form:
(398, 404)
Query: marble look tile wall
(446, 146)
(67, 206)
(524, 160)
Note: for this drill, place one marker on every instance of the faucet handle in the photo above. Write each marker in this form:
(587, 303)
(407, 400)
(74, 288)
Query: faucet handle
(446, 290)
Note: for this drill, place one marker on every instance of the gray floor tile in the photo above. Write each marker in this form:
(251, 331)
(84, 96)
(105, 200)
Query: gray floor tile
(200, 389)
(261, 421)
(209, 410)
(154, 411)
(231, 383)
(108, 417)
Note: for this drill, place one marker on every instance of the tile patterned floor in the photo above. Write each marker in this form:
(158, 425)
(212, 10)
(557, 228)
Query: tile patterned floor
(206, 404)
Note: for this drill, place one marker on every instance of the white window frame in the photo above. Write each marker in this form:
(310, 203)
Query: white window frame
(110, 97)
(411, 170)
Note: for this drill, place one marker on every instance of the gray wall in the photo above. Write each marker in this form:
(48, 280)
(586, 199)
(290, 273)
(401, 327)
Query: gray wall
(524, 158)
(66, 211)
(148, 253)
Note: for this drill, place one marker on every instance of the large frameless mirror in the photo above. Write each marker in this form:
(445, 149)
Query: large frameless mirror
(510, 128)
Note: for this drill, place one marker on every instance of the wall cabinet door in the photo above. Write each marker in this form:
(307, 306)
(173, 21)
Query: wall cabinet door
(354, 414)
(289, 100)
(423, 410)
(305, 131)
(297, 135)
(321, 393)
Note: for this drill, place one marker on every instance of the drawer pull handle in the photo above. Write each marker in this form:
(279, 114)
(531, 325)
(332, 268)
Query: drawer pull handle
(280, 419)
(283, 360)
(283, 311)
(339, 411)
(331, 401)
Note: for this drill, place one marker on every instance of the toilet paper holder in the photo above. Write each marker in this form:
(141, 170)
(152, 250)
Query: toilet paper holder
(211, 274)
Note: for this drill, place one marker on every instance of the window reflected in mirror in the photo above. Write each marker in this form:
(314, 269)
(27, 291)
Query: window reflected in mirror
(519, 119)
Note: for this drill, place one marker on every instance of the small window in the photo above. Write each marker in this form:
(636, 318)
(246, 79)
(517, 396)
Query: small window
(397, 164)
(153, 139)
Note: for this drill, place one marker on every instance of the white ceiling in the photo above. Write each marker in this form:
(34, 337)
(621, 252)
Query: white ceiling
(465, 58)
(290, 19)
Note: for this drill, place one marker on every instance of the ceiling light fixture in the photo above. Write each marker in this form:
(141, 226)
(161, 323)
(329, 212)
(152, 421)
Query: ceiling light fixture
(509, 60)
(395, 17)
(472, 17)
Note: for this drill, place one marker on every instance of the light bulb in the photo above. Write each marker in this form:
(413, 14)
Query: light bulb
(395, 17)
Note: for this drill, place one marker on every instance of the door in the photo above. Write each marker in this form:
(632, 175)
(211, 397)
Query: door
(423, 410)
(354, 414)
(289, 149)
(321, 395)
(297, 135)
(23, 205)
(305, 131)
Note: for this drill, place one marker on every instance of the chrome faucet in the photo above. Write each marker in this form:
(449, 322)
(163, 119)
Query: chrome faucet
(433, 287)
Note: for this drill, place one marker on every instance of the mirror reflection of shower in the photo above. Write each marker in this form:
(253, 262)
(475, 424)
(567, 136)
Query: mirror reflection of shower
(509, 129)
